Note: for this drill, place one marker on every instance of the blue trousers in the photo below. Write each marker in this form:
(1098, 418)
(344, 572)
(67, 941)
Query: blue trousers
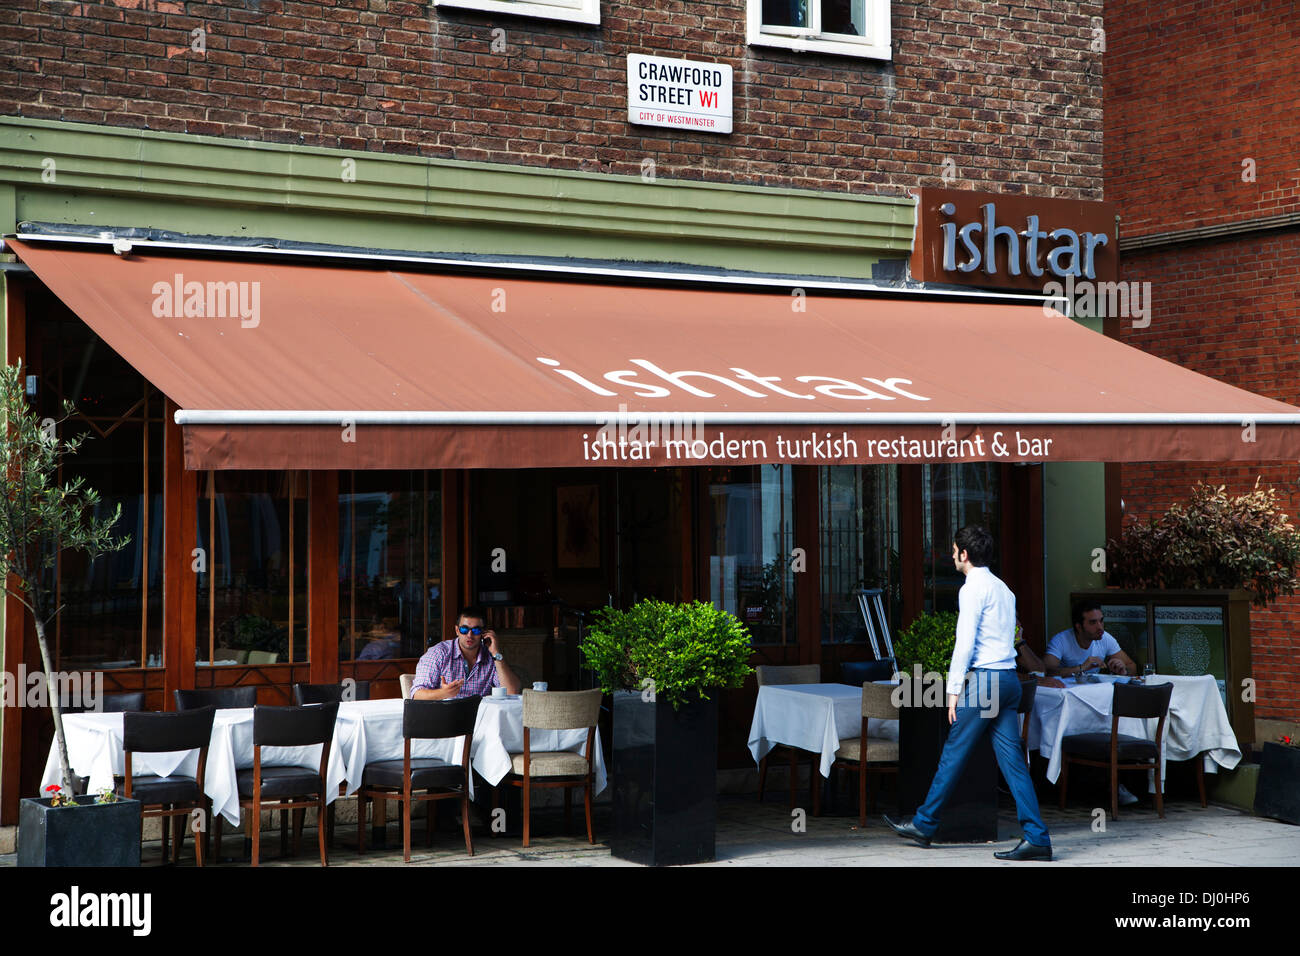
(1000, 689)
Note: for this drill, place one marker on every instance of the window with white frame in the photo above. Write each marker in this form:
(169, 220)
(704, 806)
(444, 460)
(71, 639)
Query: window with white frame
(844, 27)
(574, 11)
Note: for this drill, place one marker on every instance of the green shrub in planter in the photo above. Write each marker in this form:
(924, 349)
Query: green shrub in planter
(677, 651)
(929, 641)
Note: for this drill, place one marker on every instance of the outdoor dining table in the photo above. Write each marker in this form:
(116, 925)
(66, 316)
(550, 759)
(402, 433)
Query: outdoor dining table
(95, 750)
(364, 731)
(812, 717)
(369, 730)
(1197, 722)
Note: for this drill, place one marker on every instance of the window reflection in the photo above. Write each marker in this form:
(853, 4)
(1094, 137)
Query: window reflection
(860, 546)
(954, 496)
(751, 518)
(389, 564)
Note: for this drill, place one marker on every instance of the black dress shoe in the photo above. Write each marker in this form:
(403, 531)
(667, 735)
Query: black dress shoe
(1025, 851)
(908, 830)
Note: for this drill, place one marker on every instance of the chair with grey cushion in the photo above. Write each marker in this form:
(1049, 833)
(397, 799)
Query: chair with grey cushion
(222, 698)
(557, 710)
(869, 754)
(427, 779)
(331, 693)
(407, 681)
(1108, 750)
(294, 787)
(173, 796)
(798, 674)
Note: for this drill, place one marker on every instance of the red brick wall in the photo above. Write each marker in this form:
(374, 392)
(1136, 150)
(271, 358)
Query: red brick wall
(1192, 89)
(1010, 91)
(1230, 310)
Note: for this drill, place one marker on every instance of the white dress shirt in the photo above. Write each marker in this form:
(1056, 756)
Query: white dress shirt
(986, 627)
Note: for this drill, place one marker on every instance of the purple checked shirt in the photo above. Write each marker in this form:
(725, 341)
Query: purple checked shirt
(444, 663)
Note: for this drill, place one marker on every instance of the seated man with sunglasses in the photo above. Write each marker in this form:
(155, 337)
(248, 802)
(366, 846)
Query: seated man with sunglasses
(470, 664)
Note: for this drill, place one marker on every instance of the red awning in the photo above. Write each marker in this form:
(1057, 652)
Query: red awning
(279, 365)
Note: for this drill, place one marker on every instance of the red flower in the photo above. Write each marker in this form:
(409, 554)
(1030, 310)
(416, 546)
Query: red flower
(1286, 740)
(53, 786)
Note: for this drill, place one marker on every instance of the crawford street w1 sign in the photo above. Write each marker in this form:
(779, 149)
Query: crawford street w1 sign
(682, 94)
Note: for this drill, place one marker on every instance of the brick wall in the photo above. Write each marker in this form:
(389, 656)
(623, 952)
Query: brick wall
(1193, 89)
(1230, 310)
(1011, 92)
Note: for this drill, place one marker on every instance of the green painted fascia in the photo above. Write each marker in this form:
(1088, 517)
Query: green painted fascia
(215, 186)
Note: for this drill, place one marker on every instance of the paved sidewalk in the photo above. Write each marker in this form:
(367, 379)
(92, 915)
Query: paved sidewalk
(754, 834)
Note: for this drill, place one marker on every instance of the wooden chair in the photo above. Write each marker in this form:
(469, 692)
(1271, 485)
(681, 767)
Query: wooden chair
(1107, 750)
(867, 754)
(407, 681)
(222, 698)
(557, 710)
(122, 703)
(329, 693)
(295, 787)
(440, 780)
(798, 674)
(172, 796)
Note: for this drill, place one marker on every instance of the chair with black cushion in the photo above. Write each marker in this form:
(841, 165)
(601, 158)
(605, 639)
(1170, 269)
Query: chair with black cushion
(294, 787)
(438, 779)
(557, 710)
(1028, 690)
(122, 703)
(330, 693)
(858, 673)
(1108, 750)
(174, 796)
(222, 698)
(868, 754)
(797, 674)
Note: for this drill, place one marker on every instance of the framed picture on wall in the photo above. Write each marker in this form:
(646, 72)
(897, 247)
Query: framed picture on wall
(577, 526)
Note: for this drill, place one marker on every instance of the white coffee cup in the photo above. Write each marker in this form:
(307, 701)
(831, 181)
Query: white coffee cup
(540, 685)
(498, 692)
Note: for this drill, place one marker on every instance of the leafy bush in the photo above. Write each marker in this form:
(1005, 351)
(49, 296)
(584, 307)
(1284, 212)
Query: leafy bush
(1216, 541)
(681, 649)
(929, 641)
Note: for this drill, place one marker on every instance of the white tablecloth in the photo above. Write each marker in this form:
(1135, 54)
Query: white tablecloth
(1198, 721)
(95, 751)
(370, 730)
(813, 717)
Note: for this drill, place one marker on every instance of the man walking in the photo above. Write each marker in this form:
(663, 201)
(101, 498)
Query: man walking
(986, 626)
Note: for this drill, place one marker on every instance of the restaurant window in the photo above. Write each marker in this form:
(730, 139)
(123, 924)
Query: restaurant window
(844, 27)
(574, 11)
(750, 524)
(954, 496)
(859, 548)
(390, 564)
(252, 568)
(111, 613)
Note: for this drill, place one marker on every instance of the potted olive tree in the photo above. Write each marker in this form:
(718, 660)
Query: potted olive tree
(38, 519)
(661, 662)
(923, 651)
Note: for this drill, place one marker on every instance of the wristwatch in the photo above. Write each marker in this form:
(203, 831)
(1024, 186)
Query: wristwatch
(498, 657)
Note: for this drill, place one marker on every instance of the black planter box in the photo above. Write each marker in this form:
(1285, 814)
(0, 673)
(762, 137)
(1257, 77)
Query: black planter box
(89, 834)
(971, 813)
(1277, 793)
(665, 771)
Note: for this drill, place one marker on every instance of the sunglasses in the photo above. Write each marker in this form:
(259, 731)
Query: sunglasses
(476, 631)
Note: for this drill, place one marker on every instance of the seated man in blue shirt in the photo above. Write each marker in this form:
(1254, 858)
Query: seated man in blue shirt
(986, 703)
(1086, 646)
